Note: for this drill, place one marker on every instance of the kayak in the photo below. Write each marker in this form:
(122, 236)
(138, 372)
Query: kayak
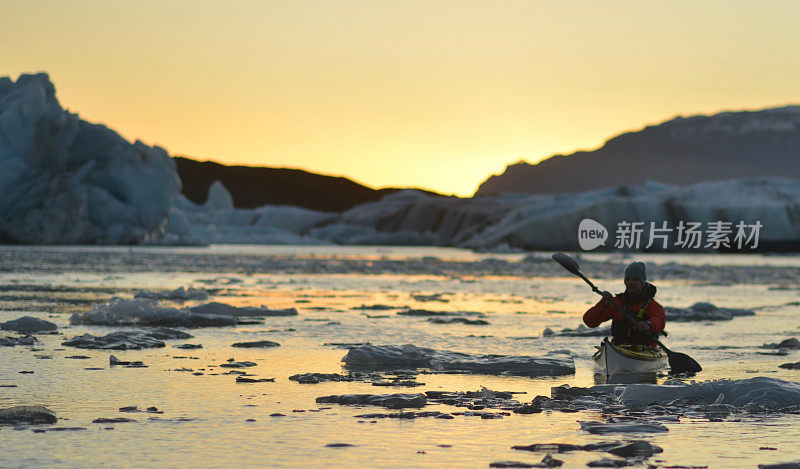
(617, 359)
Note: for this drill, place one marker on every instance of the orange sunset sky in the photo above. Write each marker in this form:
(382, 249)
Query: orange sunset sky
(431, 94)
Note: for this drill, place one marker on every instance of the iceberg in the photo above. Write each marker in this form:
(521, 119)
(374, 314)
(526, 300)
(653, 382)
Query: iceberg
(146, 312)
(770, 393)
(411, 356)
(65, 180)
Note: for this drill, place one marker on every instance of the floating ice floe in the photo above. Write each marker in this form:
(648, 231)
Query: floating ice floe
(146, 312)
(411, 356)
(126, 340)
(64, 180)
(256, 344)
(27, 415)
(228, 310)
(469, 322)
(28, 325)
(392, 401)
(703, 311)
(14, 341)
(629, 449)
(179, 294)
(770, 393)
(623, 427)
(785, 344)
(427, 312)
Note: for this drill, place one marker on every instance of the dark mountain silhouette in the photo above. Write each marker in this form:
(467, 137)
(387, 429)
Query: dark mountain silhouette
(252, 187)
(728, 145)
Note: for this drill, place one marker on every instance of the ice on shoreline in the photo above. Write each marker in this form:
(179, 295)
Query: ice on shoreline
(411, 356)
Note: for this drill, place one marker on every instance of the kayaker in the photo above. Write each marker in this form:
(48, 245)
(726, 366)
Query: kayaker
(638, 299)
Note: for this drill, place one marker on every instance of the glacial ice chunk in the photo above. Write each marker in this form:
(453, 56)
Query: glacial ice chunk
(146, 312)
(411, 356)
(771, 393)
(126, 340)
(64, 180)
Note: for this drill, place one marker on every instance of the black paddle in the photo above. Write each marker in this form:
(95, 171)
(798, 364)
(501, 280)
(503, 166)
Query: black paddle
(678, 362)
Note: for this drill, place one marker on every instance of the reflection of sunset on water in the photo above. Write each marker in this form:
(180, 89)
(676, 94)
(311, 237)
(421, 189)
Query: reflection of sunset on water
(206, 419)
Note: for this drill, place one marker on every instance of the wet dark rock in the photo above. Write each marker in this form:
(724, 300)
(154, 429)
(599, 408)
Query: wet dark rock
(242, 379)
(28, 325)
(277, 414)
(235, 364)
(377, 307)
(27, 415)
(126, 340)
(338, 445)
(257, 344)
(188, 346)
(113, 420)
(787, 344)
(391, 401)
(790, 366)
(14, 341)
(467, 321)
(704, 311)
(78, 357)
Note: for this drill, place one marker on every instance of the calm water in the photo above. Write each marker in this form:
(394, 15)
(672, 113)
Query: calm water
(205, 417)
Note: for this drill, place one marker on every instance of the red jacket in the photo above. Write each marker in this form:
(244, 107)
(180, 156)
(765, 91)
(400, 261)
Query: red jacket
(602, 311)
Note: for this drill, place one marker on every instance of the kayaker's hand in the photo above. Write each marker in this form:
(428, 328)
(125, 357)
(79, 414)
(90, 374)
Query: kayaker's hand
(642, 326)
(607, 297)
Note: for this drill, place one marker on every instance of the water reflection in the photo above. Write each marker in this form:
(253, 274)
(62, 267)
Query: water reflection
(627, 378)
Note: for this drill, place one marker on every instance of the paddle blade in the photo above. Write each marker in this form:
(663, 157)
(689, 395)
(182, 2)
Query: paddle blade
(567, 262)
(682, 363)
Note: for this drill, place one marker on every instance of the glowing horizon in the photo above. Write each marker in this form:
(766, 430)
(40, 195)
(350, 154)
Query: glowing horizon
(436, 95)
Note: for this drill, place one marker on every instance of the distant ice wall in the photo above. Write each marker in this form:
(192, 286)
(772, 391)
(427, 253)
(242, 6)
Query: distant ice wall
(64, 180)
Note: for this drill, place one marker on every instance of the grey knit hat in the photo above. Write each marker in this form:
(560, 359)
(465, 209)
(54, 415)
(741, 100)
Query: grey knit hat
(636, 270)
